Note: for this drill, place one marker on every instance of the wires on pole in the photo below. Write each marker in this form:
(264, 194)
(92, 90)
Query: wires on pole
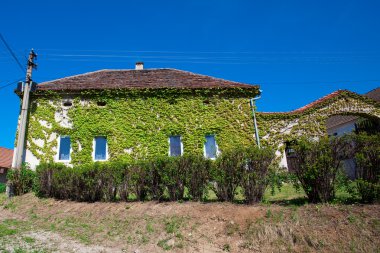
(12, 53)
(9, 84)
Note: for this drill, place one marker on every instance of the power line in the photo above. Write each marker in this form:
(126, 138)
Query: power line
(12, 53)
(212, 52)
(212, 57)
(207, 57)
(9, 84)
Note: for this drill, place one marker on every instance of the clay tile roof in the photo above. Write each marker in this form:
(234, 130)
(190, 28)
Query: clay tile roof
(374, 94)
(312, 104)
(318, 101)
(6, 156)
(140, 79)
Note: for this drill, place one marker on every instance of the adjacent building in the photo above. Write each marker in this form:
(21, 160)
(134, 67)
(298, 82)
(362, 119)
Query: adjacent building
(6, 156)
(339, 125)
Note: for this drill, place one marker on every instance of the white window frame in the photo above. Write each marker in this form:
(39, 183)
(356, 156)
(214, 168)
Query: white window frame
(180, 139)
(216, 146)
(93, 149)
(59, 147)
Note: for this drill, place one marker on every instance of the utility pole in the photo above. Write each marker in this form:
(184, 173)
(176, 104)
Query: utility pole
(24, 111)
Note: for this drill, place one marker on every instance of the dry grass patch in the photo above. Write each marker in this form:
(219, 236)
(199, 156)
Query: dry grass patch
(186, 227)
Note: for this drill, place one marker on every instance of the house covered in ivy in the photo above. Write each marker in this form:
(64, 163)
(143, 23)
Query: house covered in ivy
(135, 114)
(143, 113)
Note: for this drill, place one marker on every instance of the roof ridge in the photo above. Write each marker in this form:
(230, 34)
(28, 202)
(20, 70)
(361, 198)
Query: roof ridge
(313, 103)
(371, 90)
(212, 77)
(151, 69)
(145, 78)
(63, 78)
(101, 70)
(6, 148)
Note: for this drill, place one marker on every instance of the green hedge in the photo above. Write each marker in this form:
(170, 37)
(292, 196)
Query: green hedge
(159, 179)
(317, 164)
(367, 157)
(22, 180)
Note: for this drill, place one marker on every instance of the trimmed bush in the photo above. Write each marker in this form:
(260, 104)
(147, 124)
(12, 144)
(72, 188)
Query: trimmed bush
(159, 179)
(255, 176)
(367, 157)
(243, 167)
(22, 180)
(172, 174)
(83, 183)
(316, 165)
(227, 173)
(44, 178)
(141, 180)
(197, 169)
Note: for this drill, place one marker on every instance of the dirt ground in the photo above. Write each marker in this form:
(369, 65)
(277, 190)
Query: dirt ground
(30, 224)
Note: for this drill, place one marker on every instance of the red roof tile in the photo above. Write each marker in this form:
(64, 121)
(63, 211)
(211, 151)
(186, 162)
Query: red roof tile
(318, 101)
(140, 79)
(374, 94)
(6, 156)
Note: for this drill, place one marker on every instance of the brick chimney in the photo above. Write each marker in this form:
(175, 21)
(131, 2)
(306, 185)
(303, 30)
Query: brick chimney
(139, 66)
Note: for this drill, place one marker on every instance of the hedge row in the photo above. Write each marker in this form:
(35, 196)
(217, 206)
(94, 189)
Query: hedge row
(317, 165)
(162, 178)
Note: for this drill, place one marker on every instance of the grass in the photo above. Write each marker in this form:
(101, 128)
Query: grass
(286, 193)
(272, 227)
(172, 231)
(173, 224)
(5, 230)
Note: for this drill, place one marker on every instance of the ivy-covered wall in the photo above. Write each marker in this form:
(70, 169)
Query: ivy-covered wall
(277, 128)
(137, 124)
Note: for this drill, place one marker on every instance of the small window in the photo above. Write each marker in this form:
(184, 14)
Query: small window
(67, 103)
(206, 102)
(175, 145)
(100, 148)
(101, 103)
(64, 148)
(210, 147)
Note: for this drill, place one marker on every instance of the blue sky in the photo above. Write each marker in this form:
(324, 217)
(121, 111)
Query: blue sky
(297, 51)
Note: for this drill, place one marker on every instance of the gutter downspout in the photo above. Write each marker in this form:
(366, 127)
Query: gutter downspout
(252, 103)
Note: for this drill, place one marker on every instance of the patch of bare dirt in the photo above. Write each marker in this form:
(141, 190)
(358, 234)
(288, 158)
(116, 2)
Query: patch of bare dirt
(68, 226)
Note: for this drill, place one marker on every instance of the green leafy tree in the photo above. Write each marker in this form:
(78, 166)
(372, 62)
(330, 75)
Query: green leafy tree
(316, 165)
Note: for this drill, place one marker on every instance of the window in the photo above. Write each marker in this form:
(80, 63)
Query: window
(101, 103)
(175, 146)
(100, 149)
(210, 148)
(64, 148)
(67, 103)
